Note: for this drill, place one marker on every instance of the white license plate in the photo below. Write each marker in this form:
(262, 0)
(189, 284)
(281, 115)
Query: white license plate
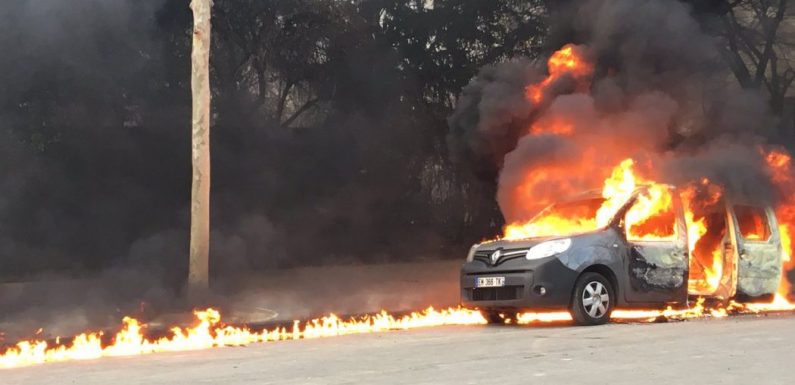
(490, 282)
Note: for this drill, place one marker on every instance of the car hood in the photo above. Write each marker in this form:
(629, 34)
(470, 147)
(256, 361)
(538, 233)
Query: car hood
(530, 242)
(514, 244)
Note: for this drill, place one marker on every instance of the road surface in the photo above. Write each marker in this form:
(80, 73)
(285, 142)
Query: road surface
(738, 350)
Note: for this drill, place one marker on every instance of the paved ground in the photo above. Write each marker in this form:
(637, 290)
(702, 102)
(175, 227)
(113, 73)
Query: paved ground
(740, 350)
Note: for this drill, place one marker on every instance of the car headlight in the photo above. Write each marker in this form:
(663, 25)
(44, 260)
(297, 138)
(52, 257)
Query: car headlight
(471, 255)
(548, 248)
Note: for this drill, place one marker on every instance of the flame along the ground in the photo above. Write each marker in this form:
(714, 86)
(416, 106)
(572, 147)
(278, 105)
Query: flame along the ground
(210, 332)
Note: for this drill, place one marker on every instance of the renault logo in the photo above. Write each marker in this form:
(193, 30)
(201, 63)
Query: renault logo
(495, 256)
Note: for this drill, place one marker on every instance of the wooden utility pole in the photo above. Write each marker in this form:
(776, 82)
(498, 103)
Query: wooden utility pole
(198, 273)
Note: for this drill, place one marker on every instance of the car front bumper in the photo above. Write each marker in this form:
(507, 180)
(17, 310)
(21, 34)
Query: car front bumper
(538, 284)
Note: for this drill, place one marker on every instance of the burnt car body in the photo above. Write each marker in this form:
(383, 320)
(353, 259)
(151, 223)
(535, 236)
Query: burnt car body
(503, 277)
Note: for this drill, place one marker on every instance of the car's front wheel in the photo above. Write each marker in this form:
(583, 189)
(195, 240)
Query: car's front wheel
(592, 300)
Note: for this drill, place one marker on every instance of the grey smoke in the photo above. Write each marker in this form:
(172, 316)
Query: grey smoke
(486, 122)
(659, 92)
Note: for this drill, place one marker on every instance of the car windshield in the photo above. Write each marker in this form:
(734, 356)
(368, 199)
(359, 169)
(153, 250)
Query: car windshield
(561, 219)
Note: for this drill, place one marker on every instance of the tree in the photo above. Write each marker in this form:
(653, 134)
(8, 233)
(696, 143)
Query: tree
(198, 275)
(755, 45)
(445, 42)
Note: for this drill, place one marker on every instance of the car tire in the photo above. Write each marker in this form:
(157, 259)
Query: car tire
(593, 299)
(494, 317)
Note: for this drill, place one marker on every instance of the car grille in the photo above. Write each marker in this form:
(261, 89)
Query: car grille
(495, 293)
(507, 254)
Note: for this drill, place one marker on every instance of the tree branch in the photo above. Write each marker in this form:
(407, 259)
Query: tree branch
(769, 27)
(309, 104)
(732, 55)
(283, 99)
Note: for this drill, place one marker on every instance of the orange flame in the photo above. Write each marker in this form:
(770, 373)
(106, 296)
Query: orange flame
(651, 218)
(706, 255)
(209, 332)
(568, 60)
(780, 168)
(698, 310)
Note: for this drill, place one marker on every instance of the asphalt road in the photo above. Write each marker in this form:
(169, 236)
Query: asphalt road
(738, 350)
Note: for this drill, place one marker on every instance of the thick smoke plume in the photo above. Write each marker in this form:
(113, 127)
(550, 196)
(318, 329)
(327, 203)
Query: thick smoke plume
(95, 148)
(635, 79)
(657, 92)
(95, 154)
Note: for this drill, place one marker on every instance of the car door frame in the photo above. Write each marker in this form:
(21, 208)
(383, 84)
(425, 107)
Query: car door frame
(759, 263)
(657, 271)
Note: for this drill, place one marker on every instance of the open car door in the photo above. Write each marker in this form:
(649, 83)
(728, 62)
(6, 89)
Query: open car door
(657, 258)
(759, 246)
(713, 255)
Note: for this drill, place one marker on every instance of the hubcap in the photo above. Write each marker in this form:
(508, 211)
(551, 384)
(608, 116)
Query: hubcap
(595, 299)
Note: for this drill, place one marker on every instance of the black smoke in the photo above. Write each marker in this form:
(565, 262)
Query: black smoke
(95, 144)
(660, 91)
(95, 153)
(491, 113)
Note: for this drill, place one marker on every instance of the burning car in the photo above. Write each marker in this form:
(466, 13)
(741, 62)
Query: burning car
(652, 246)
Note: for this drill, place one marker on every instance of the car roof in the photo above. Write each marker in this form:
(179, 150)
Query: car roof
(597, 193)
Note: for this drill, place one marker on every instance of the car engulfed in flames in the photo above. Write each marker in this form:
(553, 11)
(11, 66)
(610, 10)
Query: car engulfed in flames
(634, 244)
(666, 227)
